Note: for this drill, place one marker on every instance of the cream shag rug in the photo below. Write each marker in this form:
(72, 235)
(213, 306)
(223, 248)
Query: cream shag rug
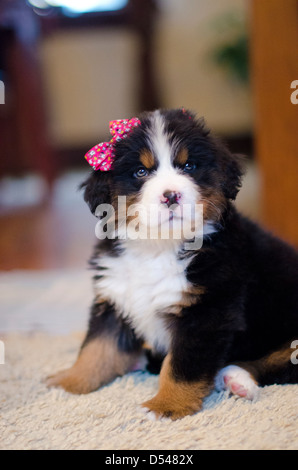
(34, 417)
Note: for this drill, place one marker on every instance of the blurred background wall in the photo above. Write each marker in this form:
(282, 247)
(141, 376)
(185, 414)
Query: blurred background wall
(67, 73)
(189, 38)
(94, 72)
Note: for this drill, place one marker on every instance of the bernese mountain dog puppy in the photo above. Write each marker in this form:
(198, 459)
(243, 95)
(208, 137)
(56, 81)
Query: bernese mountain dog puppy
(216, 306)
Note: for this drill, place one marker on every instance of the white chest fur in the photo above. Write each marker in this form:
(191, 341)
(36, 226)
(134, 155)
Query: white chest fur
(145, 280)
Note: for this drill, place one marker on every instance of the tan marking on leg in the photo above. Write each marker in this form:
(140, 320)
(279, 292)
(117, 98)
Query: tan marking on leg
(98, 363)
(271, 362)
(278, 359)
(176, 399)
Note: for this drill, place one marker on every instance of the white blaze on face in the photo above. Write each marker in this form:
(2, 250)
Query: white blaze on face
(178, 219)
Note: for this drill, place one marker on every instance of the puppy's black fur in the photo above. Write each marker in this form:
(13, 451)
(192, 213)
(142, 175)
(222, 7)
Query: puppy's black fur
(248, 311)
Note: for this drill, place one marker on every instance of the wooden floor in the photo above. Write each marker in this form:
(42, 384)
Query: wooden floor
(43, 238)
(56, 234)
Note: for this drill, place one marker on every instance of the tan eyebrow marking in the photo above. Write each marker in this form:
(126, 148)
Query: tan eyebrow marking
(147, 159)
(181, 157)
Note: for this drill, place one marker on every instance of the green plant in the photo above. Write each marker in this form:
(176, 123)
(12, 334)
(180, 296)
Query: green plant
(232, 52)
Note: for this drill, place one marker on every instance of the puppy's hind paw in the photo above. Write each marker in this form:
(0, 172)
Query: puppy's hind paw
(237, 381)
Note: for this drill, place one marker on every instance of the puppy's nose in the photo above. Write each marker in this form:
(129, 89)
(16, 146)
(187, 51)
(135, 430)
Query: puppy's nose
(170, 197)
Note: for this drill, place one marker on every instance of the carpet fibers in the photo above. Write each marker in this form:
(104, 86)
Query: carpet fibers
(34, 417)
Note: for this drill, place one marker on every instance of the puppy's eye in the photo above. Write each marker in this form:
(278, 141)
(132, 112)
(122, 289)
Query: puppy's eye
(189, 167)
(141, 172)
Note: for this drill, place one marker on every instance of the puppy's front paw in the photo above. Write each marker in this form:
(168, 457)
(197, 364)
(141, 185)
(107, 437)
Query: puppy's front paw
(70, 381)
(158, 408)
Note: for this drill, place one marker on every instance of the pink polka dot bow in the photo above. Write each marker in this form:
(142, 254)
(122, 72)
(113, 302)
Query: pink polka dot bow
(101, 156)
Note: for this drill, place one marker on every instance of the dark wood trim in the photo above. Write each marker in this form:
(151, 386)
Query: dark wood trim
(138, 16)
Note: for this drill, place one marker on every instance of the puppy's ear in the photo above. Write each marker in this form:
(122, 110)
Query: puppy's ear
(232, 168)
(97, 189)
